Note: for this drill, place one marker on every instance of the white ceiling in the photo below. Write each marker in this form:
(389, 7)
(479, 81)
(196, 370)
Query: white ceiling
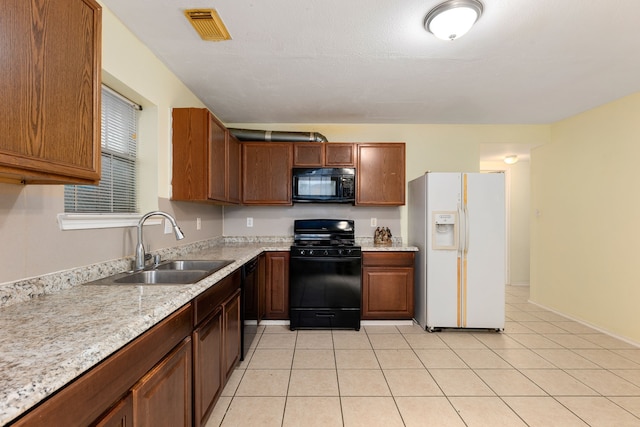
(371, 61)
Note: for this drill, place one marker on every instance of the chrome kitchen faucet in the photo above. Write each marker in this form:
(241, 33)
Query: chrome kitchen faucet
(139, 262)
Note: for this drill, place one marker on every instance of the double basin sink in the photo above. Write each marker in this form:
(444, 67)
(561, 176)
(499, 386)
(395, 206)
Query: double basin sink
(178, 272)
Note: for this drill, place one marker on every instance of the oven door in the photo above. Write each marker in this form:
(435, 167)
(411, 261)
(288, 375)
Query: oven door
(325, 292)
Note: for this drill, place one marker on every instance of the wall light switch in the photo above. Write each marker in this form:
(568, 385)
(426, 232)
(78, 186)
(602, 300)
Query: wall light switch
(374, 222)
(249, 222)
(198, 223)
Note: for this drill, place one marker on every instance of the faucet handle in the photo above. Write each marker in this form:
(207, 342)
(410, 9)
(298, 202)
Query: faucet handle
(156, 260)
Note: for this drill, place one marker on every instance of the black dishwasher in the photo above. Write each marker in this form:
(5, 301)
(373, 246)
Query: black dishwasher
(250, 300)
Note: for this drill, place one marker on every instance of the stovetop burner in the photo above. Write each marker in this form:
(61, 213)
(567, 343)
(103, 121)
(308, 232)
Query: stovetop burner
(332, 243)
(324, 232)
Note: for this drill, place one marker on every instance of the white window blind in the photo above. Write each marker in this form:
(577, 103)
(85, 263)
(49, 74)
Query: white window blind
(116, 192)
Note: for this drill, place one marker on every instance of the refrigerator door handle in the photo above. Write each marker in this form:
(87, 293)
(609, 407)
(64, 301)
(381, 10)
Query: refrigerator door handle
(461, 242)
(466, 229)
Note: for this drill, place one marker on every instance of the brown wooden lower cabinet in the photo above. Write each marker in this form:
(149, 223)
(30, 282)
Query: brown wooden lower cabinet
(387, 285)
(277, 286)
(163, 396)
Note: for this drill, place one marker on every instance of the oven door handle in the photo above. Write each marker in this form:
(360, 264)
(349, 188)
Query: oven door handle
(325, 314)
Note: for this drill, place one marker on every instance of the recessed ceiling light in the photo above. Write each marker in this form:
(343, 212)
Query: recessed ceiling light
(453, 18)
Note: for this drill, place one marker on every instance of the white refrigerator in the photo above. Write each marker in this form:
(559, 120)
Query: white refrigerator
(457, 220)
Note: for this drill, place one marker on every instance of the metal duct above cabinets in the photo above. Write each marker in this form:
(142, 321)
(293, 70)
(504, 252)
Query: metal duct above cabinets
(280, 136)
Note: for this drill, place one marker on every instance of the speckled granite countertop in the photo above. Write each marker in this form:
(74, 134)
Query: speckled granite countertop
(49, 340)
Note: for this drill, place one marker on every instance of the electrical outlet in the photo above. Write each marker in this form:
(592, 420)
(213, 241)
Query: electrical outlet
(198, 223)
(168, 228)
(249, 222)
(374, 222)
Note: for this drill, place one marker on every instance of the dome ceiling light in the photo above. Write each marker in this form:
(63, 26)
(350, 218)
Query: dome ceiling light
(453, 18)
(511, 159)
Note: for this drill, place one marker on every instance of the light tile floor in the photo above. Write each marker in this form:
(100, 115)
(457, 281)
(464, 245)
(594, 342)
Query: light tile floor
(544, 370)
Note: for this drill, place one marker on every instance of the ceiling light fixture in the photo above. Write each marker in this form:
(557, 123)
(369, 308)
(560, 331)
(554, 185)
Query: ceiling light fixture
(453, 18)
(511, 159)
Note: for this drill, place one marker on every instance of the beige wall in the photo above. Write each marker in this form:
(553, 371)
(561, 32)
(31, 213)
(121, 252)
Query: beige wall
(519, 222)
(517, 190)
(584, 229)
(32, 243)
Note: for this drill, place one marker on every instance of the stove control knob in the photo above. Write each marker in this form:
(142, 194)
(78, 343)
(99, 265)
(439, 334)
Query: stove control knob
(310, 251)
(301, 251)
(340, 251)
(326, 252)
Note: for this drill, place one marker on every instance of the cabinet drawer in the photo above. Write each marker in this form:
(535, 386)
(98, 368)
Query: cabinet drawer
(388, 259)
(210, 299)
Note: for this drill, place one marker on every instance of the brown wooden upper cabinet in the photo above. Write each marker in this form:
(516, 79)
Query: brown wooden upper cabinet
(266, 173)
(380, 174)
(320, 154)
(206, 158)
(50, 84)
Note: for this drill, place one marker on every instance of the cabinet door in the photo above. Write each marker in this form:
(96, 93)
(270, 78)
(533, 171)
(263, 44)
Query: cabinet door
(217, 168)
(231, 334)
(340, 155)
(207, 366)
(266, 173)
(277, 286)
(388, 285)
(120, 415)
(308, 154)
(163, 396)
(387, 293)
(381, 174)
(190, 129)
(50, 76)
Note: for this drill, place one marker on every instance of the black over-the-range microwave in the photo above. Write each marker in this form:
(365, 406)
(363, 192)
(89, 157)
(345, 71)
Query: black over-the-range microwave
(324, 185)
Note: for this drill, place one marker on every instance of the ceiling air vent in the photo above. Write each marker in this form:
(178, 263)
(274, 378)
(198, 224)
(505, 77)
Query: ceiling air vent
(208, 24)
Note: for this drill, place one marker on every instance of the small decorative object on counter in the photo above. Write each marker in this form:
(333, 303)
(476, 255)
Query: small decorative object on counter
(382, 236)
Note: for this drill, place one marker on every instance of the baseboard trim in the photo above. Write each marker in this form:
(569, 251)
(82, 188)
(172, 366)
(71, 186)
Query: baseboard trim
(590, 325)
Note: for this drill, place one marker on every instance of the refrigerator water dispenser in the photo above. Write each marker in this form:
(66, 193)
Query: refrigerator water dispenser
(445, 230)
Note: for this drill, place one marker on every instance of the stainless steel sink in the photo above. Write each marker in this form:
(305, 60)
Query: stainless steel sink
(177, 272)
(198, 264)
(163, 277)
